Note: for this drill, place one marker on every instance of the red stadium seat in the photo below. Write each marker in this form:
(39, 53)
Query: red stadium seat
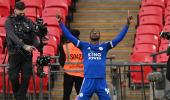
(167, 12)
(145, 48)
(148, 29)
(69, 2)
(51, 21)
(159, 3)
(49, 50)
(54, 31)
(32, 13)
(162, 58)
(151, 20)
(12, 3)
(147, 39)
(164, 41)
(2, 29)
(4, 8)
(34, 4)
(168, 3)
(1, 47)
(53, 42)
(136, 77)
(60, 4)
(150, 10)
(166, 28)
(52, 12)
(167, 20)
(37, 81)
(53, 26)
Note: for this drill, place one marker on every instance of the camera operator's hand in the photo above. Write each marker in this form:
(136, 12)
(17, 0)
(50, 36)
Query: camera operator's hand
(29, 48)
(59, 19)
(129, 18)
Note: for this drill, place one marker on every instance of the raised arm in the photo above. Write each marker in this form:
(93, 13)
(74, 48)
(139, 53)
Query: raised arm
(122, 34)
(67, 34)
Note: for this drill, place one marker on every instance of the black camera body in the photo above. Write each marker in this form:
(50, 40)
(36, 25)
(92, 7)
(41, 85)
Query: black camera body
(165, 35)
(40, 28)
(41, 62)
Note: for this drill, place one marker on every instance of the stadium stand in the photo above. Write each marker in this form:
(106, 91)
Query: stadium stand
(147, 38)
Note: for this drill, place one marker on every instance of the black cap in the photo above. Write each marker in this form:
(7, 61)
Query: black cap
(20, 5)
(75, 32)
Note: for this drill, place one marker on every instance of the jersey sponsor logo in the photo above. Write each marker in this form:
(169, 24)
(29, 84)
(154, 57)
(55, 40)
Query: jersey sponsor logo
(94, 56)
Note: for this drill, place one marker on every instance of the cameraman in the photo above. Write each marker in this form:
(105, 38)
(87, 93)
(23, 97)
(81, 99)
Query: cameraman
(21, 40)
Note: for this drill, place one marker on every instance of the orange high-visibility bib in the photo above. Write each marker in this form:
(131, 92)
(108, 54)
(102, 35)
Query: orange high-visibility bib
(74, 59)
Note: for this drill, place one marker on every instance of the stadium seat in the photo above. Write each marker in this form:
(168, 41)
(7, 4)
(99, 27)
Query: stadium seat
(37, 81)
(53, 26)
(32, 13)
(164, 41)
(54, 31)
(60, 4)
(148, 29)
(34, 4)
(162, 58)
(167, 12)
(51, 21)
(2, 29)
(147, 39)
(168, 3)
(159, 3)
(12, 3)
(69, 2)
(52, 12)
(150, 10)
(166, 28)
(4, 8)
(53, 42)
(136, 77)
(167, 20)
(1, 47)
(145, 48)
(151, 20)
(49, 50)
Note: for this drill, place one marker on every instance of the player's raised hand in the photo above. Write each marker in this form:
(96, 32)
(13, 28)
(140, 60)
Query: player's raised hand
(129, 18)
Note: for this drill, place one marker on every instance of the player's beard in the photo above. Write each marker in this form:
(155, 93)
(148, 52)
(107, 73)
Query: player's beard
(95, 38)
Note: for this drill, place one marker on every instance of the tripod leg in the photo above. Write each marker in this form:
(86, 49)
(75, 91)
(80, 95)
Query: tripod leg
(49, 83)
(41, 91)
(34, 85)
(4, 84)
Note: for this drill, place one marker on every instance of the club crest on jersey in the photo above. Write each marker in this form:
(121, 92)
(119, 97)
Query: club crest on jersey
(100, 48)
(88, 48)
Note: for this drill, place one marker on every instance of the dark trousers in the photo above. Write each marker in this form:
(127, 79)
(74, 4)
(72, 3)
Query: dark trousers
(69, 80)
(168, 69)
(20, 64)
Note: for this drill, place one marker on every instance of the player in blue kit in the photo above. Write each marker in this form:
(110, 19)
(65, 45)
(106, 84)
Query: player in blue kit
(94, 55)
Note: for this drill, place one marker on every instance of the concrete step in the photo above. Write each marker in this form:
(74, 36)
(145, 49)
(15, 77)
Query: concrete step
(111, 1)
(108, 11)
(99, 24)
(108, 4)
(103, 14)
